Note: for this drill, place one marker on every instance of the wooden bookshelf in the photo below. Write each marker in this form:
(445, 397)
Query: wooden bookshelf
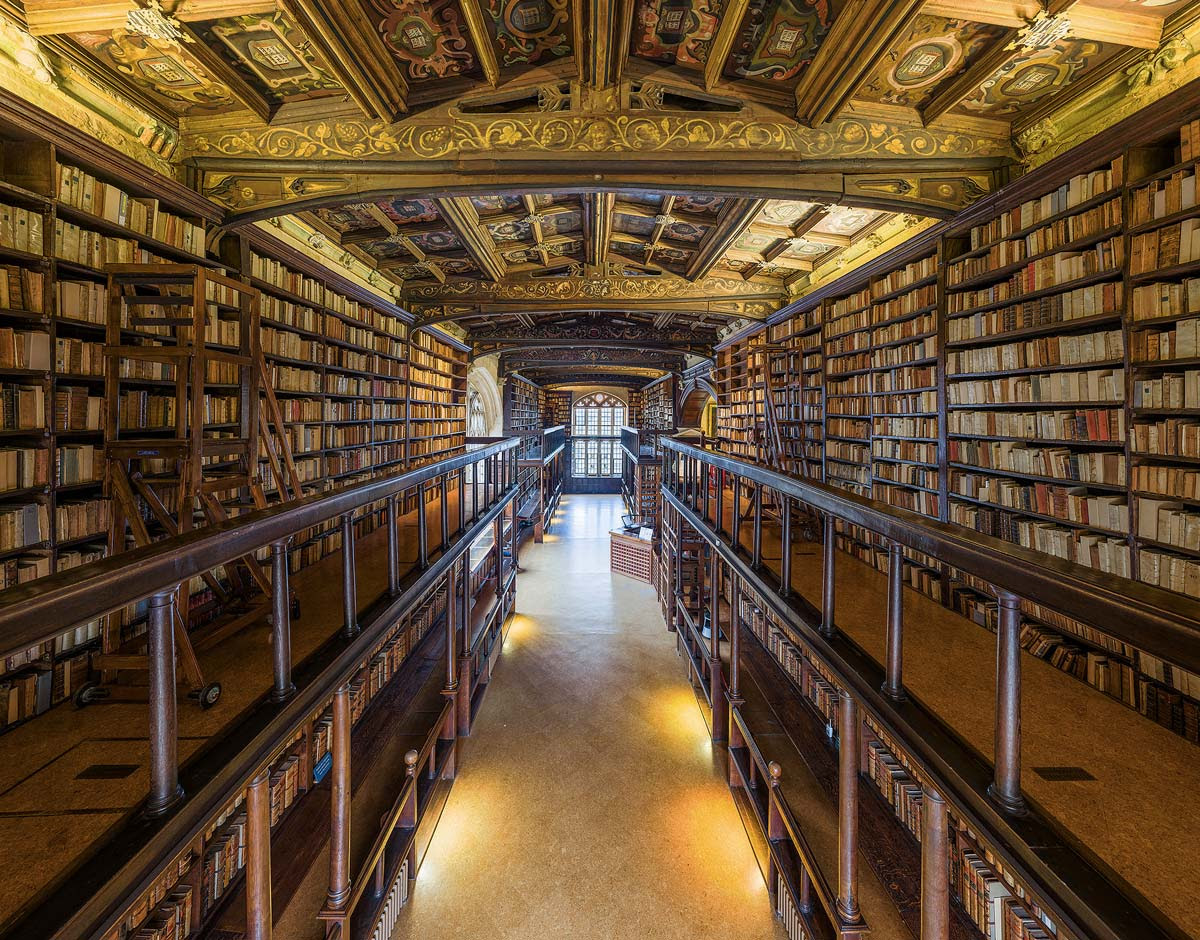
(437, 398)
(524, 406)
(658, 404)
(1034, 374)
(797, 375)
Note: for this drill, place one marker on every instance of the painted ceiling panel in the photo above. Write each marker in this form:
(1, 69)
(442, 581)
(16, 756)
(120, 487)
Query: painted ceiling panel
(633, 224)
(847, 220)
(529, 31)
(933, 50)
(437, 241)
(562, 222)
(511, 232)
(677, 32)
(493, 205)
(411, 210)
(430, 40)
(779, 38)
(701, 203)
(271, 54)
(685, 232)
(163, 69)
(1033, 74)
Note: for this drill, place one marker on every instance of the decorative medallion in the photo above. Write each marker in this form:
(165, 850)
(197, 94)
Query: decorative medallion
(779, 38)
(1031, 75)
(430, 39)
(528, 31)
(678, 32)
(272, 54)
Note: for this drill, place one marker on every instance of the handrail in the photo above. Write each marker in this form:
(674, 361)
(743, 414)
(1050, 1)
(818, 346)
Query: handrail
(39, 611)
(1162, 623)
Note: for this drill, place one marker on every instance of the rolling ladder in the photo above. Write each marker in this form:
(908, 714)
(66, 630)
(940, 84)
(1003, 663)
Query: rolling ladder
(190, 411)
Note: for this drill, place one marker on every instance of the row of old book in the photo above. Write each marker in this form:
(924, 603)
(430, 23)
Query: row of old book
(22, 289)
(1165, 247)
(1027, 458)
(1095, 385)
(1076, 191)
(1088, 424)
(1080, 303)
(1070, 504)
(1070, 350)
(1181, 340)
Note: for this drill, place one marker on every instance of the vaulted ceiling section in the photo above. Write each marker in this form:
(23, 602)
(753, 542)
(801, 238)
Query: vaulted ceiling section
(633, 174)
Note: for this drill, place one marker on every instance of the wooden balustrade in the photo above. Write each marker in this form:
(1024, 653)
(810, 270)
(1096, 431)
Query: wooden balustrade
(704, 495)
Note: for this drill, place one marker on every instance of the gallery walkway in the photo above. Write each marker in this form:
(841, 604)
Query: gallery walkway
(588, 804)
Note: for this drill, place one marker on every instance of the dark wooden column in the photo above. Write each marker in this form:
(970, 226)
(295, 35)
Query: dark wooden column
(847, 900)
(785, 545)
(165, 790)
(259, 918)
(339, 828)
(720, 708)
(935, 868)
(422, 529)
(893, 685)
(281, 623)
(757, 538)
(735, 639)
(1006, 787)
(828, 575)
(452, 690)
(349, 577)
(443, 493)
(393, 546)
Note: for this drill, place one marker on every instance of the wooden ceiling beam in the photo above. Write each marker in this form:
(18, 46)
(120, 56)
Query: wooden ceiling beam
(1140, 30)
(734, 221)
(52, 17)
(600, 228)
(459, 212)
(485, 47)
(352, 48)
(246, 94)
(606, 37)
(861, 36)
(727, 32)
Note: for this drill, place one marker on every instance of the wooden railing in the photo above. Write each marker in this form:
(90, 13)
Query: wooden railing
(39, 611)
(726, 502)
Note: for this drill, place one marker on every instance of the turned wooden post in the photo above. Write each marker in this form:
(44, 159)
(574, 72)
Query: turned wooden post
(349, 577)
(462, 499)
(785, 545)
(281, 623)
(847, 901)
(165, 790)
(735, 639)
(452, 690)
(893, 685)
(1006, 787)
(422, 529)
(776, 830)
(935, 868)
(720, 708)
(445, 512)
(393, 547)
(757, 542)
(259, 920)
(339, 803)
(828, 575)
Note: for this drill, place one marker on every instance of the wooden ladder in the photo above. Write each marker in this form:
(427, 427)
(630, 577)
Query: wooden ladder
(192, 473)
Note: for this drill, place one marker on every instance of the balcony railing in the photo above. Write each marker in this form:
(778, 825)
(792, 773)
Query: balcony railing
(37, 612)
(726, 501)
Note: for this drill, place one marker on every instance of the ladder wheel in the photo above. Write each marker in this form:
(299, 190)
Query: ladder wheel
(90, 693)
(210, 695)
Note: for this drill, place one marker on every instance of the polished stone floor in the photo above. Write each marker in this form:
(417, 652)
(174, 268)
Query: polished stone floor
(587, 803)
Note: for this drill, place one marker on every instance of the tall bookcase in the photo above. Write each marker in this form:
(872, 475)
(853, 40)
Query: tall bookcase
(1032, 373)
(798, 373)
(658, 404)
(437, 398)
(524, 406)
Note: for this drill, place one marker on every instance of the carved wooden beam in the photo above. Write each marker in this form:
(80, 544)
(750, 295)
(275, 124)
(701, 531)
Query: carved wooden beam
(727, 31)
(660, 226)
(354, 51)
(410, 246)
(733, 222)
(608, 26)
(460, 214)
(51, 17)
(1141, 30)
(861, 36)
(485, 48)
(362, 236)
(600, 230)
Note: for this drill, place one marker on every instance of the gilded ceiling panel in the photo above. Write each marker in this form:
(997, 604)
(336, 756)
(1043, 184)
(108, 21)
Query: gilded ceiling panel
(677, 32)
(931, 51)
(437, 241)
(164, 69)
(686, 232)
(511, 232)
(430, 40)
(493, 205)
(271, 54)
(561, 223)
(632, 224)
(1032, 74)
(411, 210)
(529, 31)
(779, 38)
(847, 220)
(785, 212)
(701, 203)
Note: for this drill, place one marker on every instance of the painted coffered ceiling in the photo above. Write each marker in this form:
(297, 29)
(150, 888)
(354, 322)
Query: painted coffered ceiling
(632, 171)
